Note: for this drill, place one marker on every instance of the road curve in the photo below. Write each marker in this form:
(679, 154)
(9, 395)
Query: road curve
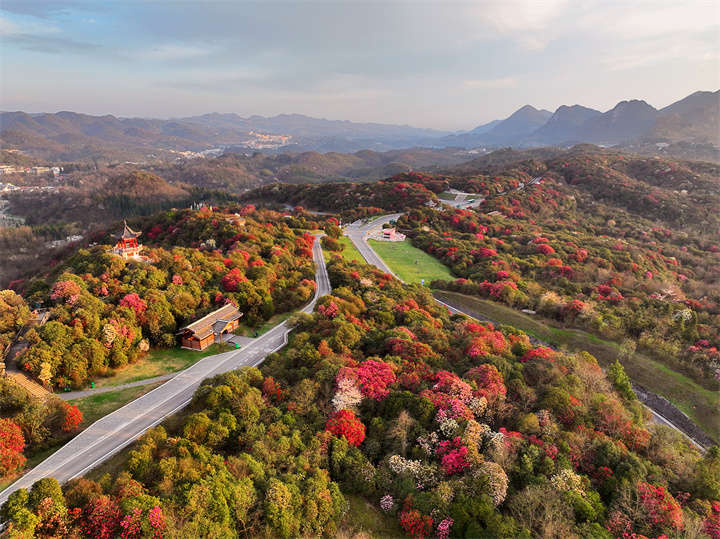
(111, 434)
(359, 233)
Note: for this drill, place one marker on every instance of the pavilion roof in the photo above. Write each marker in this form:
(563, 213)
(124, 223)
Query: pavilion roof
(127, 233)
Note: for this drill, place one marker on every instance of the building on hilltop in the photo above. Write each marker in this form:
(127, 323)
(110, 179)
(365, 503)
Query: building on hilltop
(209, 329)
(236, 220)
(127, 246)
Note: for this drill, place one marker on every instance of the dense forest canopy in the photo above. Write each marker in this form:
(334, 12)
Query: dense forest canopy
(439, 425)
(452, 427)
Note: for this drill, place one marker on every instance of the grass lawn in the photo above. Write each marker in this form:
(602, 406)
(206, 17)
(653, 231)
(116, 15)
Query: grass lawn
(275, 319)
(350, 252)
(156, 363)
(697, 402)
(365, 520)
(401, 258)
(97, 406)
(446, 196)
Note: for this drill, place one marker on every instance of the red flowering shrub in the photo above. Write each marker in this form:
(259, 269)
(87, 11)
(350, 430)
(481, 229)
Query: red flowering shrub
(663, 511)
(544, 249)
(488, 343)
(102, 518)
(330, 311)
(541, 352)
(68, 291)
(453, 456)
(491, 384)
(416, 524)
(372, 377)
(134, 302)
(343, 423)
(712, 522)
(232, 279)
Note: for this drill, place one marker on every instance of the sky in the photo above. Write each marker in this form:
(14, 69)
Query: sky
(441, 65)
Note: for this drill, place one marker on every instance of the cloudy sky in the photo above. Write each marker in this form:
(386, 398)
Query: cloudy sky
(443, 65)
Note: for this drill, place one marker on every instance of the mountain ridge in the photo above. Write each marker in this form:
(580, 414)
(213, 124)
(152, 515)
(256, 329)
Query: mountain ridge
(68, 135)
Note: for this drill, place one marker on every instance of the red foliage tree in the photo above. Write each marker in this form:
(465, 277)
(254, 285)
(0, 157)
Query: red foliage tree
(11, 446)
(273, 391)
(72, 417)
(344, 423)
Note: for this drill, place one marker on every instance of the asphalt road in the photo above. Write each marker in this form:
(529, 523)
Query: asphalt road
(359, 233)
(109, 435)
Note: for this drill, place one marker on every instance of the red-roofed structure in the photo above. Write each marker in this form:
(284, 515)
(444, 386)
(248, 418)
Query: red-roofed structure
(127, 246)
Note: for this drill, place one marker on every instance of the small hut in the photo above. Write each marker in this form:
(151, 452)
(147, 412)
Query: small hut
(209, 329)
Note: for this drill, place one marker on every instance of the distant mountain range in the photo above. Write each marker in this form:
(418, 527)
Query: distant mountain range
(69, 136)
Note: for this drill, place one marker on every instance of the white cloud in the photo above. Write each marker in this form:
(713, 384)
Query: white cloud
(531, 24)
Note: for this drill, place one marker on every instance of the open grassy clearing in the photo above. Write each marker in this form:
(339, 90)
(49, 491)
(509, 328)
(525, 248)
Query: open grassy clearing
(98, 406)
(446, 196)
(410, 263)
(698, 403)
(349, 253)
(275, 319)
(156, 363)
(365, 520)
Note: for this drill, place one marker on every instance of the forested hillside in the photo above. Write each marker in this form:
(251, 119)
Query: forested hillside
(622, 245)
(451, 427)
(106, 312)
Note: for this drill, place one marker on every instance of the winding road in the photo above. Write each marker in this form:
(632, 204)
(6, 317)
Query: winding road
(111, 434)
(359, 234)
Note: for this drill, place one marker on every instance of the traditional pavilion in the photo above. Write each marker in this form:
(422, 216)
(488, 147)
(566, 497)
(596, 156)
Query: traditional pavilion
(209, 329)
(127, 246)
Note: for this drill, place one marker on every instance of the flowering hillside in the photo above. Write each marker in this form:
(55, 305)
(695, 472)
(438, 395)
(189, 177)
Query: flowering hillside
(454, 428)
(105, 311)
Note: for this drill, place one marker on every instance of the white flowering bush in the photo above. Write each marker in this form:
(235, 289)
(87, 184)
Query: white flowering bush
(425, 475)
(496, 478)
(567, 480)
(449, 427)
(348, 395)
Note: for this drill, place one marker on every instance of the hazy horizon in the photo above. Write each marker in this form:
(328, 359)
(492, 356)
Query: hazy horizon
(444, 66)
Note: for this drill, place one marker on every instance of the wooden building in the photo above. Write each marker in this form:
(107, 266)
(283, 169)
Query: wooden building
(209, 329)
